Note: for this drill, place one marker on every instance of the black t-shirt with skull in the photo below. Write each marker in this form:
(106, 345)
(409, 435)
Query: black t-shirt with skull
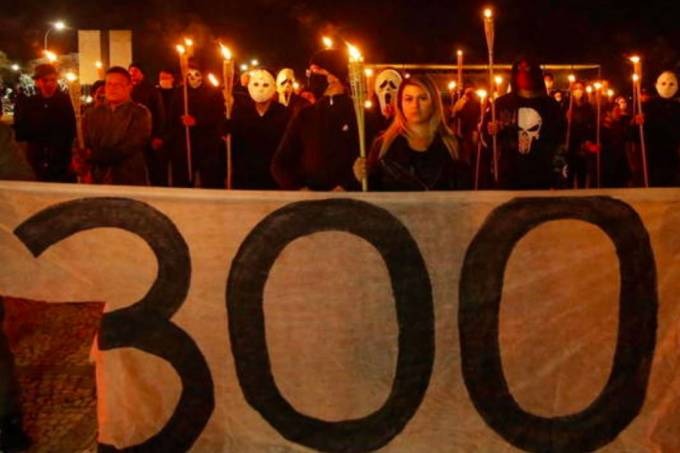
(531, 132)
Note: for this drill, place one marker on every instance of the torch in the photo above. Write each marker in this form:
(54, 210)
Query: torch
(357, 83)
(459, 84)
(184, 67)
(598, 129)
(228, 79)
(489, 32)
(100, 70)
(637, 90)
(482, 100)
(452, 93)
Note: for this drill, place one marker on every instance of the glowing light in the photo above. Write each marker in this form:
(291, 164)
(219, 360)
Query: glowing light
(71, 76)
(15, 67)
(188, 42)
(244, 67)
(488, 13)
(597, 85)
(571, 78)
(327, 42)
(51, 56)
(254, 62)
(482, 94)
(459, 53)
(610, 93)
(354, 54)
(636, 77)
(407, 75)
(589, 89)
(181, 49)
(368, 104)
(296, 86)
(89, 99)
(226, 53)
(498, 79)
(98, 64)
(368, 72)
(59, 25)
(635, 59)
(452, 85)
(213, 80)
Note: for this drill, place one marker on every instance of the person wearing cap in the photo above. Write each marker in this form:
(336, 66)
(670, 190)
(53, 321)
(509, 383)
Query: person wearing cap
(46, 123)
(321, 142)
(117, 133)
(143, 92)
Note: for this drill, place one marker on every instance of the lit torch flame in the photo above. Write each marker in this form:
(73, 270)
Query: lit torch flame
(71, 77)
(452, 85)
(188, 42)
(51, 56)
(98, 64)
(181, 49)
(213, 80)
(488, 13)
(226, 53)
(327, 42)
(482, 94)
(571, 78)
(635, 59)
(498, 79)
(354, 54)
(368, 72)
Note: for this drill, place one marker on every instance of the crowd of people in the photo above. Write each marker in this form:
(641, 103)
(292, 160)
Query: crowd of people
(140, 131)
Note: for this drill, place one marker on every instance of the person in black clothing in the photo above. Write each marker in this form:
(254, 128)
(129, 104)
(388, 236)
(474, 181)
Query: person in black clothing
(581, 148)
(256, 129)
(206, 123)
(661, 118)
(417, 151)
(321, 143)
(530, 130)
(47, 123)
(143, 92)
(616, 132)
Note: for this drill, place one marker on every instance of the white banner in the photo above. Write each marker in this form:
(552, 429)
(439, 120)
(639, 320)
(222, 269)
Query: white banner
(255, 321)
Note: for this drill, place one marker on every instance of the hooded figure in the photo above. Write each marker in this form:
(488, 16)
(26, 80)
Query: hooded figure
(530, 130)
(206, 122)
(256, 129)
(662, 132)
(321, 143)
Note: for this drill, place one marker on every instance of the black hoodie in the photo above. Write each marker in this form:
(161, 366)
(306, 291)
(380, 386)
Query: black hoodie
(531, 130)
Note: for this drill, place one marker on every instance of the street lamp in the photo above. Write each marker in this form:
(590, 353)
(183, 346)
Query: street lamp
(58, 26)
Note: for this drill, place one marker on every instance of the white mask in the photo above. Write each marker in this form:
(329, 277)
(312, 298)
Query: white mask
(386, 87)
(284, 85)
(261, 85)
(667, 85)
(194, 78)
(529, 123)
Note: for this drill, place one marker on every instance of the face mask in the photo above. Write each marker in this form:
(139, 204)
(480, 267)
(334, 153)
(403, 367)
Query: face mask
(284, 85)
(195, 78)
(386, 85)
(667, 85)
(318, 84)
(261, 86)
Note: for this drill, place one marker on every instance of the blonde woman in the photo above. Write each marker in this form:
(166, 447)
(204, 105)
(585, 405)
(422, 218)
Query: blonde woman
(417, 151)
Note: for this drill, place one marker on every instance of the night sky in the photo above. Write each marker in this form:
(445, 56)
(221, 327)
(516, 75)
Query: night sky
(286, 32)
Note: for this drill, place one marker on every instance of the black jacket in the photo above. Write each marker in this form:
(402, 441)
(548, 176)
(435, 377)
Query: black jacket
(149, 96)
(254, 141)
(403, 169)
(319, 147)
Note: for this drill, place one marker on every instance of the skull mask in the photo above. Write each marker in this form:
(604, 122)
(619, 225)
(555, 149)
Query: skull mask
(194, 78)
(261, 85)
(284, 85)
(529, 123)
(667, 85)
(386, 87)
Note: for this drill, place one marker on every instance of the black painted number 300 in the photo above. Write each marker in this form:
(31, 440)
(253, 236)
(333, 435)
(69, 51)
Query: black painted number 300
(146, 325)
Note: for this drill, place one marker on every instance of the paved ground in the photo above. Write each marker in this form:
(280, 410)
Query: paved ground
(51, 344)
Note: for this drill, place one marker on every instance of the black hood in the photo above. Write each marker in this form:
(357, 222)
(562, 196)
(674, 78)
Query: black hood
(536, 74)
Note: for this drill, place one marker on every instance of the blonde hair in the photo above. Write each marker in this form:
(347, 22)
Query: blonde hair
(437, 125)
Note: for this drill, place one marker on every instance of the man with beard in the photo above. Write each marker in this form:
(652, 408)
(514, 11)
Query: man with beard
(205, 122)
(146, 94)
(286, 94)
(47, 123)
(321, 143)
(529, 128)
(662, 132)
(256, 129)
